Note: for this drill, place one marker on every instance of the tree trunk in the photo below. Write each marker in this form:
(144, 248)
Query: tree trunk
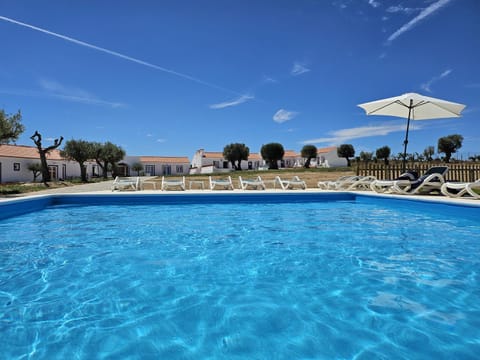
(83, 172)
(348, 161)
(37, 139)
(307, 163)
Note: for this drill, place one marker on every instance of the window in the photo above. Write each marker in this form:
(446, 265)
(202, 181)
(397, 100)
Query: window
(179, 169)
(150, 169)
(216, 164)
(53, 170)
(225, 164)
(16, 166)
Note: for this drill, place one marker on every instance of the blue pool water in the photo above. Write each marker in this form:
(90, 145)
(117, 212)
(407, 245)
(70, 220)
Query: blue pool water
(318, 280)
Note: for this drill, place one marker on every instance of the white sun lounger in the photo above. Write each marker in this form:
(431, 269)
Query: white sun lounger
(175, 183)
(252, 183)
(126, 183)
(333, 185)
(348, 183)
(456, 190)
(385, 186)
(226, 183)
(431, 181)
(295, 182)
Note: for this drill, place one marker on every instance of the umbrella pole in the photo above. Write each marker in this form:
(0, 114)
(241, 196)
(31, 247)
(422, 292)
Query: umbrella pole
(405, 143)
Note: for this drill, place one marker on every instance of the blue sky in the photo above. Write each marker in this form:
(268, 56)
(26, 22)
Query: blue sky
(170, 77)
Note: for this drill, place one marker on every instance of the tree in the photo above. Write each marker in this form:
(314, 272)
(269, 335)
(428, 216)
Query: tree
(10, 127)
(346, 151)
(309, 152)
(449, 145)
(383, 153)
(236, 153)
(366, 156)
(105, 154)
(36, 169)
(37, 139)
(272, 153)
(137, 167)
(79, 151)
(428, 153)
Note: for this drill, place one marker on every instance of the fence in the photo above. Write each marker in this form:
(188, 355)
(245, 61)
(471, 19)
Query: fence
(467, 171)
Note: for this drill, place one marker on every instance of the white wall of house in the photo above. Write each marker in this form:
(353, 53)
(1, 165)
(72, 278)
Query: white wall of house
(329, 159)
(16, 169)
(155, 167)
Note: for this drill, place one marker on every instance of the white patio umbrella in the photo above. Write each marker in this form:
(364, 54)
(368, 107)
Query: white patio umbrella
(413, 106)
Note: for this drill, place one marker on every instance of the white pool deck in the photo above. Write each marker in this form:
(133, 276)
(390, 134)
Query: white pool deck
(104, 187)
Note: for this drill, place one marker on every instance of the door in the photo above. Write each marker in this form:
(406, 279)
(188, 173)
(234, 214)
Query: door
(53, 170)
(167, 169)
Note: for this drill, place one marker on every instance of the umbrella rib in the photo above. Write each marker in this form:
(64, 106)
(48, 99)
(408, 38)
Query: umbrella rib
(384, 106)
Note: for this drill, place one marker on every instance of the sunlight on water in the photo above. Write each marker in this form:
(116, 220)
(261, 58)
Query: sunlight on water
(239, 281)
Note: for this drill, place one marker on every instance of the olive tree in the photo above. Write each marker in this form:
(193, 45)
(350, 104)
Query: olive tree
(366, 156)
(449, 145)
(79, 151)
(107, 154)
(309, 152)
(36, 169)
(272, 153)
(429, 152)
(235, 153)
(37, 139)
(346, 151)
(383, 153)
(137, 167)
(10, 126)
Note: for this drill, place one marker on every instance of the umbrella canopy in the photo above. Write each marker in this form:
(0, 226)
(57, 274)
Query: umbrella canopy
(413, 106)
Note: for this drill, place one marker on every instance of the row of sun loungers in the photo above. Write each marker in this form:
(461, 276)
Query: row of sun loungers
(134, 183)
(408, 183)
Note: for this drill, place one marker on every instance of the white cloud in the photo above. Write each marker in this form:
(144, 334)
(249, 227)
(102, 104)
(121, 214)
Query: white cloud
(268, 80)
(283, 115)
(298, 69)
(401, 9)
(373, 3)
(161, 140)
(344, 135)
(235, 102)
(420, 17)
(427, 86)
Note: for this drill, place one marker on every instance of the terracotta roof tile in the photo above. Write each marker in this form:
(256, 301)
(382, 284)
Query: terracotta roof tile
(326, 150)
(254, 156)
(26, 152)
(290, 153)
(165, 159)
(213, 155)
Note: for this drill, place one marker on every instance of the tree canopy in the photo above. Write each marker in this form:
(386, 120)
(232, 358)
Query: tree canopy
(79, 151)
(105, 154)
(449, 145)
(235, 153)
(429, 152)
(272, 153)
(10, 127)
(346, 151)
(383, 153)
(309, 152)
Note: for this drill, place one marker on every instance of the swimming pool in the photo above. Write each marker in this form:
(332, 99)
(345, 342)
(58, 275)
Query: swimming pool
(235, 277)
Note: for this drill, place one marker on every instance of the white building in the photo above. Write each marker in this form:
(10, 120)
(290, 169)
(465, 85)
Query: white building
(15, 159)
(206, 162)
(328, 157)
(155, 165)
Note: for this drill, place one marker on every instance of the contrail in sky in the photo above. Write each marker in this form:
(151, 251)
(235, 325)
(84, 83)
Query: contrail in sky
(114, 53)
